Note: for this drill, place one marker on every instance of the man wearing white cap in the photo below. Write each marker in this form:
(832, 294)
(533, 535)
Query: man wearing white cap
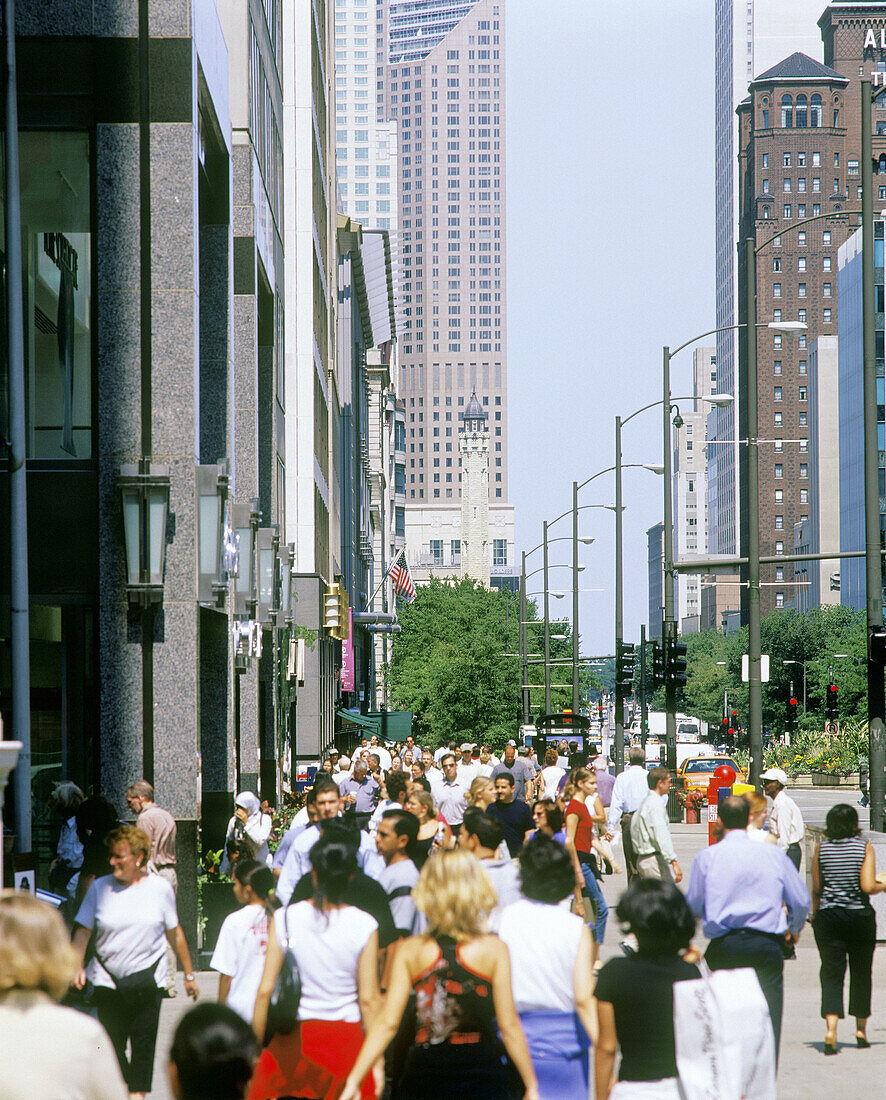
(785, 819)
(468, 768)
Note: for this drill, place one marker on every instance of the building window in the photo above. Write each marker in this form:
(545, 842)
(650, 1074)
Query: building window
(499, 551)
(852, 167)
(777, 393)
(786, 159)
(57, 274)
(803, 393)
(786, 210)
(801, 290)
(804, 470)
(776, 290)
(776, 265)
(779, 470)
(779, 523)
(826, 317)
(400, 522)
(776, 367)
(779, 496)
(779, 572)
(779, 599)
(787, 112)
(786, 185)
(436, 547)
(815, 111)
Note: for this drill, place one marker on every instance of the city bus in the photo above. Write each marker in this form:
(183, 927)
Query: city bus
(564, 725)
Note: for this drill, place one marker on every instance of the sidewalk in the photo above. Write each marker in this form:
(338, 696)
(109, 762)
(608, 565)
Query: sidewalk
(171, 1012)
(804, 1071)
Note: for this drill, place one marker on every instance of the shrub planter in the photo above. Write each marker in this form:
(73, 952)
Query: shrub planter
(217, 901)
(827, 779)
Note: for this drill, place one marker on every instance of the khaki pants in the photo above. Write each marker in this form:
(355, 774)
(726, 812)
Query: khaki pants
(654, 866)
(169, 873)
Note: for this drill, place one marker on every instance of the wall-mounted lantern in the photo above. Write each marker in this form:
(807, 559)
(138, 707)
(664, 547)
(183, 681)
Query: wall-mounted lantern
(245, 518)
(213, 533)
(144, 490)
(267, 542)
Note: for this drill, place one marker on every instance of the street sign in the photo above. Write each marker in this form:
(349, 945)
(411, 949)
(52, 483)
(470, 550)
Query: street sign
(764, 668)
(832, 727)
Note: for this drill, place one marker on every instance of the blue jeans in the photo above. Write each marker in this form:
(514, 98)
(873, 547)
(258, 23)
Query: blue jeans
(592, 889)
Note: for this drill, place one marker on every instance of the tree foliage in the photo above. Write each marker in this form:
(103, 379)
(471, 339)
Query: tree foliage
(454, 665)
(790, 640)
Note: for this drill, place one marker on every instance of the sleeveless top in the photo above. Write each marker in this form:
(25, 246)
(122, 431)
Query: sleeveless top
(453, 1005)
(840, 864)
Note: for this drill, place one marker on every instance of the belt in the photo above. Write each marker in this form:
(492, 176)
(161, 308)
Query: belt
(779, 938)
(163, 866)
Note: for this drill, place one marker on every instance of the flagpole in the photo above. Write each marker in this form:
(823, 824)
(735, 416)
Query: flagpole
(397, 557)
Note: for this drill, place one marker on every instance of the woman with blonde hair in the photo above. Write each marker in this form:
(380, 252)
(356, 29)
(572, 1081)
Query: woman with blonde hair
(481, 792)
(757, 817)
(432, 830)
(129, 916)
(46, 1050)
(461, 977)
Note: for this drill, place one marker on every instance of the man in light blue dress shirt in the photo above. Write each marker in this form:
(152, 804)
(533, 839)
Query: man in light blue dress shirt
(628, 795)
(752, 903)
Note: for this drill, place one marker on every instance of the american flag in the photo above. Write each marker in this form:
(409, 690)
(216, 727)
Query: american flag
(403, 585)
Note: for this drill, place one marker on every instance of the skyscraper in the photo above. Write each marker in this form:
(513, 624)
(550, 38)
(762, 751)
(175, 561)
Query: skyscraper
(750, 37)
(442, 76)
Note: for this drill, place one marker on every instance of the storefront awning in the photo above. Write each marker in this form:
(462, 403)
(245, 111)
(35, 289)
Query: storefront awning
(391, 725)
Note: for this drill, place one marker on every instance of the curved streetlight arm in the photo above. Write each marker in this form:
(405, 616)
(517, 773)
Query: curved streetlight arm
(660, 401)
(711, 332)
(796, 225)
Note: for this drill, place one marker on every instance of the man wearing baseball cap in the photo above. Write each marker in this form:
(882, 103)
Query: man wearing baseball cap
(785, 820)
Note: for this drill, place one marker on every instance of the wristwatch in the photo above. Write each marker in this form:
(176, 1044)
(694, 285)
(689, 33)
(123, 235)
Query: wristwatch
(190, 977)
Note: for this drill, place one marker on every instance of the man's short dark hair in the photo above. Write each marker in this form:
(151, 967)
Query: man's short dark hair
(734, 812)
(214, 1051)
(506, 776)
(546, 872)
(405, 824)
(487, 831)
(658, 915)
(422, 782)
(447, 756)
(656, 776)
(396, 784)
(637, 756)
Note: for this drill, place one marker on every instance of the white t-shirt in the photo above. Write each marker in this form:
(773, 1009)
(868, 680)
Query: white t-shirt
(541, 981)
(240, 953)
(327, 948)
(551, 776)
(130, 925)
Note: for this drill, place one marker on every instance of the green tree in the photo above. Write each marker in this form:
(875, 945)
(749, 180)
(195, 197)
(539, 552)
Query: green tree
(454, 663)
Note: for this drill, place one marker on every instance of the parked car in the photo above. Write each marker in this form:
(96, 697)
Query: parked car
(695, 771)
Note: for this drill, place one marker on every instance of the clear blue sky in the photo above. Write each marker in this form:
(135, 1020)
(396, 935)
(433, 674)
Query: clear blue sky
(610, 236)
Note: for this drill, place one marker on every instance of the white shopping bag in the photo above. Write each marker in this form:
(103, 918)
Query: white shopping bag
(723, 1036)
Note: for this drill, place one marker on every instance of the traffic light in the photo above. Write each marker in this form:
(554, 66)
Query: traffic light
(657, 665)
(675, 663)
(624, 667)
(335, 611)
(831, 713)
(791, 724)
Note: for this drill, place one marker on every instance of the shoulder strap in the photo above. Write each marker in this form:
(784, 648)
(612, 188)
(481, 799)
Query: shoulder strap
(400, 892)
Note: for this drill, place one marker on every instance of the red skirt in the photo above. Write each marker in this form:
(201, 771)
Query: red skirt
(313, 1061)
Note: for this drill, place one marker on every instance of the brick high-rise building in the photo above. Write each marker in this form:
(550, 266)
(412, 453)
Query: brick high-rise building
(442, 80)
(795, 162)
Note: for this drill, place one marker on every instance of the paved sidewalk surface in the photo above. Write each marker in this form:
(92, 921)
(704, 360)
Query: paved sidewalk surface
(804, 1071)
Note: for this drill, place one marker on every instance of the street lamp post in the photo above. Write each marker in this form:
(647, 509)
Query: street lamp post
(524, 690)
(547, 624)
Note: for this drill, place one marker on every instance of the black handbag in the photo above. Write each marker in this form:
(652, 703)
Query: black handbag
(283, 1009)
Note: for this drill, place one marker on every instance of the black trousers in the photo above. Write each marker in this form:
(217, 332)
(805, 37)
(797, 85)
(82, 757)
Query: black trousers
(794, 854)
(628, 846)
(132, 1018)
(763, 952)
(842, 934)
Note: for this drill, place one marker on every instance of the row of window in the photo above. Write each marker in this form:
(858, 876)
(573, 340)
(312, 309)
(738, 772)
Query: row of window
(420, 494)
(801, 263)
(816, 161)
(801, 290)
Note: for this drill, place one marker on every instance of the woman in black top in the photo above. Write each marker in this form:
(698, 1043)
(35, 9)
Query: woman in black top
(635, 996)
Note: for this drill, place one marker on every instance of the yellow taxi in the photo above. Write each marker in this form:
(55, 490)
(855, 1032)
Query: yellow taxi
(695, 772)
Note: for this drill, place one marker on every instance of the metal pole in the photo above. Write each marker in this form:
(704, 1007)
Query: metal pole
(575, 699)
(524, 690)
(618, 757)
(752, 511)
(644, 716)
(873, 561)
(547, 627)
(18, 483)
(669, 626)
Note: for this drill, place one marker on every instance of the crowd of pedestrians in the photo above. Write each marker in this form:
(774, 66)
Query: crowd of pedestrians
(428, 925)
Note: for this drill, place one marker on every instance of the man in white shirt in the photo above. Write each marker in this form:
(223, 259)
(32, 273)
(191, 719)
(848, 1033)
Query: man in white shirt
(432, 773)
(481, 836)
(450, 793)
(396, 788)
(785, 820)
(396, 840)
(298, 861)
(467, 766)
(628, 794)
(651, 832)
